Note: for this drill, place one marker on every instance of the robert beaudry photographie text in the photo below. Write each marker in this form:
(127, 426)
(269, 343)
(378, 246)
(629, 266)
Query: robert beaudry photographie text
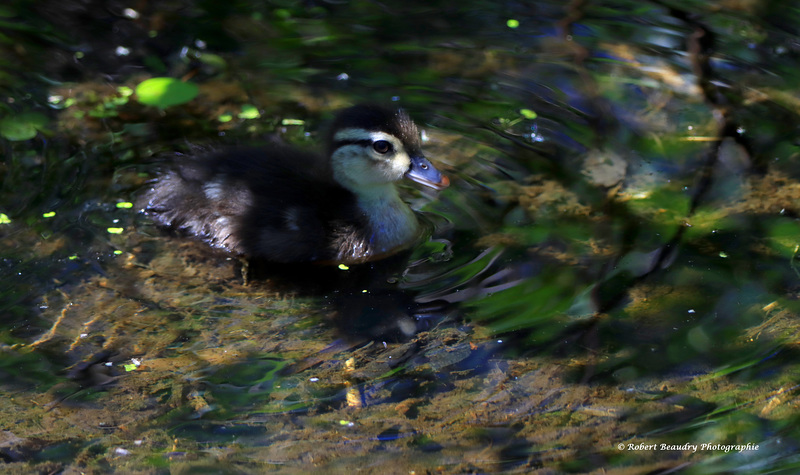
(690, 447)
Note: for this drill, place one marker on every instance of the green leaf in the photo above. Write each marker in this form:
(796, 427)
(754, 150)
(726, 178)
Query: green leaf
(125, 91)
(249, 111)
(16, 131)
(23, 126)
(165, 92)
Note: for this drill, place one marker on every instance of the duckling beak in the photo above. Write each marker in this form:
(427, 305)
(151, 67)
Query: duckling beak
(422, 171)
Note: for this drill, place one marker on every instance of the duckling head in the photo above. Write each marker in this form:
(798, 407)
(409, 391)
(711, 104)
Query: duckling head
(372, 147)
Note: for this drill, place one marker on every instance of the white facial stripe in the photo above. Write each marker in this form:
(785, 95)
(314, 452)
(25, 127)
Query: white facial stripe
(397, 145)
(355, 135)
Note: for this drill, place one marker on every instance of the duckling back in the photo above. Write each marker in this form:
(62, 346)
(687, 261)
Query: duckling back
(273, 203)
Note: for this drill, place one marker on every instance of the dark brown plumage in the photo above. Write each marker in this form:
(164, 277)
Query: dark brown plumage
(285, 205)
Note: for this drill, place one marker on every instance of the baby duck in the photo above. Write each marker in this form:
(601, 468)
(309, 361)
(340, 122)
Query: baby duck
(285, 205)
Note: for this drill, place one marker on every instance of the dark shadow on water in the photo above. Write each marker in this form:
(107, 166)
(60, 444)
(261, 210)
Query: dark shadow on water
(366, 300)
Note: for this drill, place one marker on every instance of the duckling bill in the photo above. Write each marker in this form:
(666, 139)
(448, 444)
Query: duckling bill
(286, 205)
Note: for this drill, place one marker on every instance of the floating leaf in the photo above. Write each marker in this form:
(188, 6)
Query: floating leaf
(165, 92)
(16, 131)
(23, 126)
(249, 111)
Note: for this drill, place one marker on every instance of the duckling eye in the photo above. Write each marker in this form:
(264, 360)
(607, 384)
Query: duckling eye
(381, 146)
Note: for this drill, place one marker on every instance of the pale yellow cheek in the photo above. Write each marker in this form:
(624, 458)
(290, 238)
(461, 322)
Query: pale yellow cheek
(398, 166)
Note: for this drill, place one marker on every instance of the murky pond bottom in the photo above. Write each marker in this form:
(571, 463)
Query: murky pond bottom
(175, 364)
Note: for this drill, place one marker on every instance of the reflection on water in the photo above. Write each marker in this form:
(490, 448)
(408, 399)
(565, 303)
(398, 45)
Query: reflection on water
(614, 264)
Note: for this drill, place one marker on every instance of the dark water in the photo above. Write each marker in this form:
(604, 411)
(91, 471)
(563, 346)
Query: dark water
(611, 283)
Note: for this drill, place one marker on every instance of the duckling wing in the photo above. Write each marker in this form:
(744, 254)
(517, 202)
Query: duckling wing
(278, 204)
(193, 200)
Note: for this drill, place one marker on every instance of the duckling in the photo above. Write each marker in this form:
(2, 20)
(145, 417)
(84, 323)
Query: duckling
(286, 205)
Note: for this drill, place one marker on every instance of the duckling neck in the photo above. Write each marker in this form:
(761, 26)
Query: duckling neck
(392, 223)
